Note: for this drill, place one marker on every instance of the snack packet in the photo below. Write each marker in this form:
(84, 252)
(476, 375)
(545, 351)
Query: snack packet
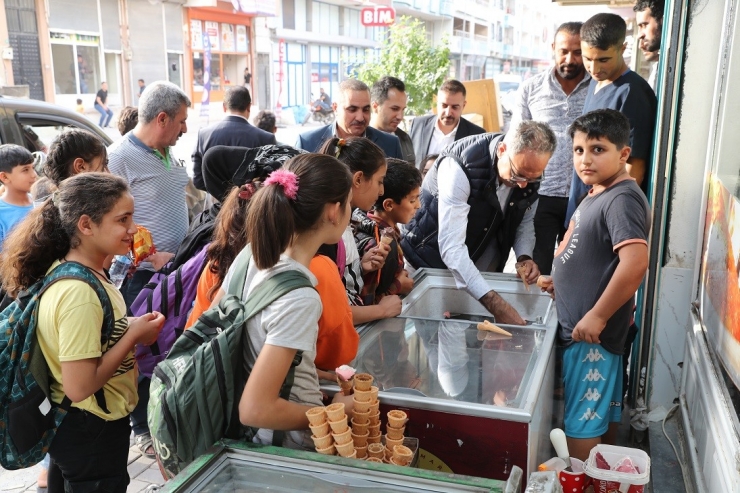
(142, 245)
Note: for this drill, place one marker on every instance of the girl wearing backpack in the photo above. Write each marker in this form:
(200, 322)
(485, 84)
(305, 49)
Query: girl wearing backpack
(85, 221)
(366, 162)
(297, 209)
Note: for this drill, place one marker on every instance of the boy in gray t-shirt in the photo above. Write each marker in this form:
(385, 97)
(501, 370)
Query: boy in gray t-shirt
(597, 269)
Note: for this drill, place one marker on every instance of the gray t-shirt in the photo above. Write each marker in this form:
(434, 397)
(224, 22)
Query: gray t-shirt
(292, 322)
(603, 223)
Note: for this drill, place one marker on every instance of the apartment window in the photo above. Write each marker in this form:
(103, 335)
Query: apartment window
(289, 14)
(325, 19)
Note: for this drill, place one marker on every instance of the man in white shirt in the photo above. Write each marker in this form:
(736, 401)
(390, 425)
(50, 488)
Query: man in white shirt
(430, 134)
(477, 202)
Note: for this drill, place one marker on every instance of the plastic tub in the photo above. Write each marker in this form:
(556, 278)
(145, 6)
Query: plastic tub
(608, 481)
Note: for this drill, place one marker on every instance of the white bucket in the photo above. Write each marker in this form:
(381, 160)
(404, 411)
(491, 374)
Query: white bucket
(607, 481)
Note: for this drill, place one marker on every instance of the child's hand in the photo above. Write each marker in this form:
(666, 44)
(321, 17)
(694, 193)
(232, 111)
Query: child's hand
(349, 403)
(146, 328)
(588, 329)
(546, 285)
(407, 284)
(159, 259)
(391, 306)
(383, 250)
(372, 260)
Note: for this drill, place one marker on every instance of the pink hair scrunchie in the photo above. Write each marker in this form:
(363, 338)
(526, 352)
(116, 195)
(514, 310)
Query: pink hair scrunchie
(286, 179)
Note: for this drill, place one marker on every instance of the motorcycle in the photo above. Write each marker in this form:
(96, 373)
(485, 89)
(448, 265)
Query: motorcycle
(320, 112)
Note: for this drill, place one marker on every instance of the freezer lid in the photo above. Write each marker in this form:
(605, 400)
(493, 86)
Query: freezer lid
(450, 365)
(239, 466)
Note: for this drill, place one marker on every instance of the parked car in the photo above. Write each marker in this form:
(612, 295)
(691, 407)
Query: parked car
(34, 124)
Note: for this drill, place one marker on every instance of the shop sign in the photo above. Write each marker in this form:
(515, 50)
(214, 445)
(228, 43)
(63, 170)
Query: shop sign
(196, 34)
(242, 41)
(212, 33)
(377, 16)
(227, 37)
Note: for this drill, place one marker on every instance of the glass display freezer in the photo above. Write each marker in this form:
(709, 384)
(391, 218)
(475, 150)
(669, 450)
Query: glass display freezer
(240, 467)
(480, 403)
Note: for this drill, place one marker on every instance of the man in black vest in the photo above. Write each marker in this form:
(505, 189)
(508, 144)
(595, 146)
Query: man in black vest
(478, 202)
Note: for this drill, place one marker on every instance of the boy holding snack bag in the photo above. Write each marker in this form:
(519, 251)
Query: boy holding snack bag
(597, 269)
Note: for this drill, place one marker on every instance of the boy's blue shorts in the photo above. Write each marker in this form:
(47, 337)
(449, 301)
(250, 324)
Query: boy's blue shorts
(592, 377)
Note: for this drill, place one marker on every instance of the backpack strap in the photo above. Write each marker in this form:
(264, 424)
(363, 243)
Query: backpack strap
(79, 272)
(240, 266)
(260, 298)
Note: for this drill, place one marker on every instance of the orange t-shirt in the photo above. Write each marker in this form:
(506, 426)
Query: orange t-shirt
(202, 302)
(338, 341)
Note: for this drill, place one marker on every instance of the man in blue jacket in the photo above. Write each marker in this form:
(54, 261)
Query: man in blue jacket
(353, 119)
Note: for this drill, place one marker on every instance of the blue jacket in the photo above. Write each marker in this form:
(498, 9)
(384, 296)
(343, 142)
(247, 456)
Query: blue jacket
(312, 140)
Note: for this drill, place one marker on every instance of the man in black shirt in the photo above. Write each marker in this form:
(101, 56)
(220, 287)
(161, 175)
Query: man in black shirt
(100, 104)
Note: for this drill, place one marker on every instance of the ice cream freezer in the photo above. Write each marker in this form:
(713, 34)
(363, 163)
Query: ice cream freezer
(245, 467)
(479, 403)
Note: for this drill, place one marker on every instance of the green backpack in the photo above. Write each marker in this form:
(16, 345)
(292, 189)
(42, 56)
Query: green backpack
(195, 391)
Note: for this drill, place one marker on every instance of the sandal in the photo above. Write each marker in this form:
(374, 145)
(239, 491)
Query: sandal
(146, 445)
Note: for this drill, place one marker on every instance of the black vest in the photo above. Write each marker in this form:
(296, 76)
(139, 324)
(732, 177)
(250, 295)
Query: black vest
(476, 155)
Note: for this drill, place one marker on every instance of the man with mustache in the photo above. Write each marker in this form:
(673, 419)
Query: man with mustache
(432, 133)
(649, 19)
(388, 96)
(353, 117)
(555, 97)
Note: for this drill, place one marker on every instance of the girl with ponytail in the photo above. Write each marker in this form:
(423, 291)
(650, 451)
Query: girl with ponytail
(296, 210)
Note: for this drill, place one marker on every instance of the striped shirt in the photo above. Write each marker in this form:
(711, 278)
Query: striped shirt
(541, 98)
(159, 193)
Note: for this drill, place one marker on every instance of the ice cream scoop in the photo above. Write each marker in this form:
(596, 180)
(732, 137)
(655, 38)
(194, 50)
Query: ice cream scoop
(557, 437)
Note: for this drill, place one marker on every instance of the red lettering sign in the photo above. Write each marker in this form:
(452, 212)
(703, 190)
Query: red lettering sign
(377, 16)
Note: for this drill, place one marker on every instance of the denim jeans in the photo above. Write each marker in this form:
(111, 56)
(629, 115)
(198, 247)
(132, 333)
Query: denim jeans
(105, 115)
(89, 454)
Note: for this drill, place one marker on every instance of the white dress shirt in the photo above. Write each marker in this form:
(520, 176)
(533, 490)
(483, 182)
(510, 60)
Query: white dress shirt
(454, 191)
(440, 140)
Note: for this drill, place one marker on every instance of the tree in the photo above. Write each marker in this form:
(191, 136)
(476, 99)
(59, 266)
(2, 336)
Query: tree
(406, 52)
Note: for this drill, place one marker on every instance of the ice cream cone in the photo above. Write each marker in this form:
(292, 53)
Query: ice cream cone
(374, 459)
(374, 393)
(376, 450)
(392, 442)
(363, 381)
(330, 450)
(320, 430)
(340, 425)
(363, 395)
(316, 415)
(346, 449)
(387, 454)
(397, 462)
(397, 418)
(375, 418)
(374, 429)
(373, 438)
(402, 454)
(345, 386)
(395, 433)
(342, 438)
(361, 406)
(361, 417)
(360, 439)
(322, 442)
(335, 411)
(361, 451)
(359, 428)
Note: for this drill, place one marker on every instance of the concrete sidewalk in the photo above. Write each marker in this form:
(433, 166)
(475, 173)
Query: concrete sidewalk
(144, 473)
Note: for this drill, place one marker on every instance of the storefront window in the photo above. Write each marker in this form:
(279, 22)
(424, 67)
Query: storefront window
(76, 63)
(216, 82)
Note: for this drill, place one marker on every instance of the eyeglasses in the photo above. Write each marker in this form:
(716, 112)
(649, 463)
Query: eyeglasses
(517, 178)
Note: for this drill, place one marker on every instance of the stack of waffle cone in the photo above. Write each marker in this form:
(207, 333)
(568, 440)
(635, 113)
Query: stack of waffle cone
(395, 452)
(366, 419)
